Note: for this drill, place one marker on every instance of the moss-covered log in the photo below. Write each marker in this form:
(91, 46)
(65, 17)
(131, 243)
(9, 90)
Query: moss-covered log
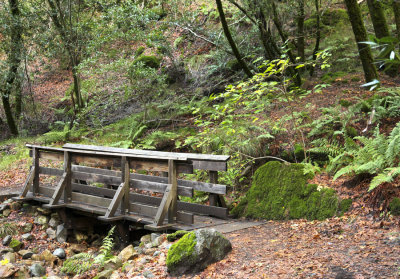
(360, 35)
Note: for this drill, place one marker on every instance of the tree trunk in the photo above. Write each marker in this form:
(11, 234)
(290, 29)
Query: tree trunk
(18, 97)
(378, 18)
(228, 36)
(14, 59)
(360, 35)
(396, 11)
(318, 38)
(300, 31)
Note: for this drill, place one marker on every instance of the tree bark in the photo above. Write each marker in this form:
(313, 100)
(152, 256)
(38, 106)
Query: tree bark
(360, 35)
(231, 42)
(396, 11)
(14, 60)
(300, 31)
(318, 36)
(378, 18)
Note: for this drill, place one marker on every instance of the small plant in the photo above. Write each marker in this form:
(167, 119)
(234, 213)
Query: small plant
(78, 264)
(7, 229)
(105, 249)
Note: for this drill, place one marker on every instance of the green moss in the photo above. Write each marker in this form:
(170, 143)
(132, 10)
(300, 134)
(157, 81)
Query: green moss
(344, 206)
(139, 51)
(149, 61)
(334, 17)
(176, 235)
(183, 249)
(394, 206)
(281, 191)
(15, 244)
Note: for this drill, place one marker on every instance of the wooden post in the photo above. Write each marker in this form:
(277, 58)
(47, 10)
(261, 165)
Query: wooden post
(213, 198)
(68, 177)
(172, 180)
(125, 180)
(28, 183)
(35, 182)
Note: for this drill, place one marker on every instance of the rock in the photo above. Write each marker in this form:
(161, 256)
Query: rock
(154, 236)
(54, 222)
(27, 227)
(158, 241)
(61, 234)
(105, 274)
(37, 270)
(128, 253)
(60, 252)
(15, 206)
(43, 211)
(27, 236)
(6, 212)
(113, 264)
(10, 257)
(78, 248)
(23, 273)
(6, 240)
(4, 206)
(7, 271)
(146, 238)
(196, 250)
(80, 236)
(115, 275)
(41, 220)
(149, 251)
(6, 250)
(51, 233)
(156, 254)
(148, 274)
(15, 245)
(48, 257)
(145, 260)
(176, 235)
(53, 277)
(26, 254)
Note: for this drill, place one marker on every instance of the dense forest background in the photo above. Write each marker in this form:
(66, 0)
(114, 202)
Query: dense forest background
(312, 82)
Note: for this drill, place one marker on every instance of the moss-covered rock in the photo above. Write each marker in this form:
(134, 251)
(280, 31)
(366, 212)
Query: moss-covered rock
(334, 17)
(15, 244)
(281, 191)
(196, 250)
(176, 235)
(394, 206)
(149, 61)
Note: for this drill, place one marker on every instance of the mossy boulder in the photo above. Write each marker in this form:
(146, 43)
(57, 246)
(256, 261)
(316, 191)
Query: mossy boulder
(176, 235)
(334, 17)
(196, 250)
(15, 244)
(281, 191)
(150, 61)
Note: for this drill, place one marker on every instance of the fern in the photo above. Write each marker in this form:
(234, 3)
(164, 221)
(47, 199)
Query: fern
(378, 156)
(78, 264)
(105, 249)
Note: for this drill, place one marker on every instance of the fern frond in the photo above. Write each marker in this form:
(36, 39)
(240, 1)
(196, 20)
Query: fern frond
(388, 175)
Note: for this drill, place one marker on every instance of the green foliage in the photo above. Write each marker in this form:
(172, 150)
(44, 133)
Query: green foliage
(281, 191)
(105, 249)
(148, 61)
(176, 235)
(378, 156)
(394, 206)
(77, 264)
(183, 248)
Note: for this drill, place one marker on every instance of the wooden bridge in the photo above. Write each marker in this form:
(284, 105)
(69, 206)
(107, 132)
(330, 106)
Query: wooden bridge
(152, 200)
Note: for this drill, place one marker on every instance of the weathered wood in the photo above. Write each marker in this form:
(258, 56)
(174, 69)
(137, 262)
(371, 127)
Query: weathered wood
(35, 181)
(68, 178)
(151, 211)
(153, 227)
(159, 187)
(45, 148)
(196, 185)
(91, 200)
(212, 198)
(125, 178)
(27, 183)
(183, 206)
(54, 156)
(51, 171)
(159, 154)
(115, 201)
(59, 189)
(46, 192)
(164, 206)
(173, 181)
(96, 161)
(210, 165)
(112, 180)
